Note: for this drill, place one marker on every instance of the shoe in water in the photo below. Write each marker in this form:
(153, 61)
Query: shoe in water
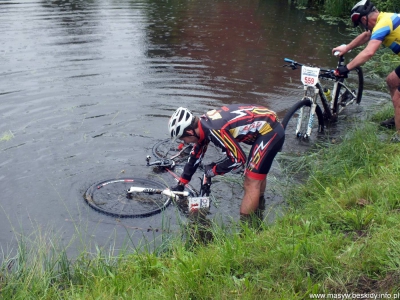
(389, 123)
(395, 138)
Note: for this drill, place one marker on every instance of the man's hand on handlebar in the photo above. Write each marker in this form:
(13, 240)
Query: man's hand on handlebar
(340, 50)
(342, 71)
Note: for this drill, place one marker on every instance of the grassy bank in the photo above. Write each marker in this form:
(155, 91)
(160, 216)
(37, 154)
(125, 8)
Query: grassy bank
(340, 234)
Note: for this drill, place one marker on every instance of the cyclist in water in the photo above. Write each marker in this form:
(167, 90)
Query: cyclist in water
(381, 28)
(226, 128)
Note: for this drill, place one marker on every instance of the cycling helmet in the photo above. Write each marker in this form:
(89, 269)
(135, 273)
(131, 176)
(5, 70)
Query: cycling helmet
(361, 9)
(179, 121)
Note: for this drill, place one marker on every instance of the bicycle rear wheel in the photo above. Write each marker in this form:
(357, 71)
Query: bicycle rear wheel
(111, 198)
(180, 152)
(296, 122)
(349, 89)
(168, 149)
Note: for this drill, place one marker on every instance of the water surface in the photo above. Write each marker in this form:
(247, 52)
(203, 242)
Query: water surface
(87, 87)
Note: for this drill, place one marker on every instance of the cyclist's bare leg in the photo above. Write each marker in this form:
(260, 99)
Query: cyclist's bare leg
(393, 82)
(253, 189)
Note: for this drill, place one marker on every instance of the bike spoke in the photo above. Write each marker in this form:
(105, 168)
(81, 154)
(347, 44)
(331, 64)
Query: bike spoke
(111, 197)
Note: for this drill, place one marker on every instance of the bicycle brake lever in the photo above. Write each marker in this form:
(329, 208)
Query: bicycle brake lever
(292, 66)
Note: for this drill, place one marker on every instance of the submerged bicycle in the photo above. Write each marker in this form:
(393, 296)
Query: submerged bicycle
(320, 105)
(134, 197)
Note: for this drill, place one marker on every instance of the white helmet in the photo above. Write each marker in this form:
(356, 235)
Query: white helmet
(179, 121)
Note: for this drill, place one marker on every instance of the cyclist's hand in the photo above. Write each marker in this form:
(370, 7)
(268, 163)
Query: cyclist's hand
(209, 170)
(339, 50)
(342, 71)
(177, 188)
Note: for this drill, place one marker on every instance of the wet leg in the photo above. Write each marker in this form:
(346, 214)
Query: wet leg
(393, 82)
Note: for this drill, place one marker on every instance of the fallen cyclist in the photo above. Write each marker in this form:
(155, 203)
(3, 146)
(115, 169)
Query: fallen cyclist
(226, 128)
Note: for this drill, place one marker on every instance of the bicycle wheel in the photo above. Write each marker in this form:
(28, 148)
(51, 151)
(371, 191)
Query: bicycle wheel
(180, 152)
(111, 198)
(349, 89)
(168, 149)
(296, 122)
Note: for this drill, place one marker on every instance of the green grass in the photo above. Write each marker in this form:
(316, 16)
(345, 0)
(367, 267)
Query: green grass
(340, 233)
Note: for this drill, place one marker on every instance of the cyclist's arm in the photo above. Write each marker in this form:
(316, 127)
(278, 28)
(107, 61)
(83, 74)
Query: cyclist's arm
(361, 39)
(365, 55)
(196, 155)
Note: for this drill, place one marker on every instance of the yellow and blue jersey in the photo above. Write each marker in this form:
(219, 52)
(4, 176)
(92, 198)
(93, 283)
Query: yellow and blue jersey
(387, 30)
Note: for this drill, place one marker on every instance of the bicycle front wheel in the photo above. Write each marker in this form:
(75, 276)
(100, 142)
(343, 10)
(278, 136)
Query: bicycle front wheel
(111, 198)
(177, 150)
(296, 123)
(349, 89)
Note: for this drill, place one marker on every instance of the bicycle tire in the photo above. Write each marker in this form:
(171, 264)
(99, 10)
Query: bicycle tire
(110, 197)
(295, 139)
(355, 83)
(167, 149)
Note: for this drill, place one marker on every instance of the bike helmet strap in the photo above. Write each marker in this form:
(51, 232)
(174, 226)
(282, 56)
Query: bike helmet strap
(179, 122)
(361, 9)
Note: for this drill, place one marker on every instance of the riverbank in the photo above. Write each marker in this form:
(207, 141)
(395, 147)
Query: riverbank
(340, 233)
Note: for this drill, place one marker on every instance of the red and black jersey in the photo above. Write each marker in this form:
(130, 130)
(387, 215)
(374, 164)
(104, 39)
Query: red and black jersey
(226, 128)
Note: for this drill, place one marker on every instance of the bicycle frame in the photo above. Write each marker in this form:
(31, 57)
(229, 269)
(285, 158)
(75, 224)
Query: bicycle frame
(202, 201)
(329, 106)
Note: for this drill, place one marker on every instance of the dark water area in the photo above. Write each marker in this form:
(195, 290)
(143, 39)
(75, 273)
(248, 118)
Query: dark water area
(87, 88)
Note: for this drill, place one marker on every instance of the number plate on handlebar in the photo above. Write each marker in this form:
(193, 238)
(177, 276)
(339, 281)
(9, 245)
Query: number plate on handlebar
(309, 75)
(197, 203)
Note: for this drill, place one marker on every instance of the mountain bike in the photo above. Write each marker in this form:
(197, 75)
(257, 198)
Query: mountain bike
(134, 197)
(320, 105)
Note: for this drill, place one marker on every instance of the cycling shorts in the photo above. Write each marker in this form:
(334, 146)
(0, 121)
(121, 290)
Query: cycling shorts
(397, 71)
(263, 152)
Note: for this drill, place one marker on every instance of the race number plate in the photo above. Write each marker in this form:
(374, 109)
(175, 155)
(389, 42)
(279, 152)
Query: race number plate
(196, 203)
(309, 75)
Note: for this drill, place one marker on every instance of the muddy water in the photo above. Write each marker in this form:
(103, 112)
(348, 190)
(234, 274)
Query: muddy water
(86, 89)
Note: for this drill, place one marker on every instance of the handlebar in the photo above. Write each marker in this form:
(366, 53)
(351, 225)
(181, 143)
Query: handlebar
(324, 73)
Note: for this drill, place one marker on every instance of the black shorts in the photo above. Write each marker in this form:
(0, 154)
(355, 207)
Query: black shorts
(397, 71)
(263, 152)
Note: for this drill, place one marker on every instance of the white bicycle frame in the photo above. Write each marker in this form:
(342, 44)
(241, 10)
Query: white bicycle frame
(195, 203)
(167, 192)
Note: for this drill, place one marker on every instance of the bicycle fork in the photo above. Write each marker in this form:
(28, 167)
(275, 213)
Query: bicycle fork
(310, 123)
